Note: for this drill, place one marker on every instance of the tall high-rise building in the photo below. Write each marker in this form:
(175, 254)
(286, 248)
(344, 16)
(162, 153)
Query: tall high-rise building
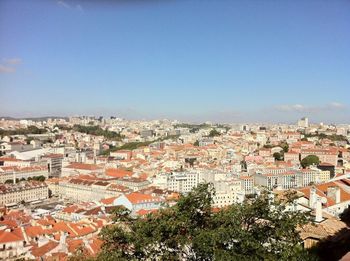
(303, 122)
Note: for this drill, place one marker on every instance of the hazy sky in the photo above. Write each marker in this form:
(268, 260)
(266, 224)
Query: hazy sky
(231, 61)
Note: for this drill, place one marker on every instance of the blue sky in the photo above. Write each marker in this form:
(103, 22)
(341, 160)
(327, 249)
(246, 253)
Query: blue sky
(227, 61)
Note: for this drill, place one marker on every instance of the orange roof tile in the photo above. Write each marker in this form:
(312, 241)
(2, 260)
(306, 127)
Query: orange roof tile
(136, 198)
(108, 201)
(11, 236)
(43, 250)
(118, 173)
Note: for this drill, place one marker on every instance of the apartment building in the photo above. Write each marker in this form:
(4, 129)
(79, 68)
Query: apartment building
(54, 164)
(291, 156)
(12, 161)
(133, 183)
(329, 156)
(288, 179)
(138, 201)
(82, 190)
(227, 193)
(183, 182)
(12, 194)
(247, 184)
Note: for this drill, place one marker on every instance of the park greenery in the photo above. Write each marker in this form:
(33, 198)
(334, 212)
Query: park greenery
(23, 131)
(260, 228)
(284, 145)
(310, 160)
(98, 131)
(214, 133)
(138, 144)
(193, 127)
(35, 178)
(332, 137)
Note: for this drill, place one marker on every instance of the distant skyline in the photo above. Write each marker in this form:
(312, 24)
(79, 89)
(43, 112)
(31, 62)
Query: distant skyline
(220, 61)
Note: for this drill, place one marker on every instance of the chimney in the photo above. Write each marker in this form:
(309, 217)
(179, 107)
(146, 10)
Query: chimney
(318, 215)
(313, 197)
(14, 177)
(334, 194)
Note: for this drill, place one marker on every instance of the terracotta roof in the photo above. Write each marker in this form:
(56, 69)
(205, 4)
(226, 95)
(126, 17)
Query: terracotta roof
(11, 236)
(73, 245)
(321, 190)
(34, 231)
(83, 166)
(43, 250)
(118, 173)
(108, 201)
(95, 246)
(136, 198)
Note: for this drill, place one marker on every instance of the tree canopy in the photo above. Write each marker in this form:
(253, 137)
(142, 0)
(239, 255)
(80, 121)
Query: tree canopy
(258, 229)
(214, 133)
(98, 131)
(23, 131)
(310, 160)
(278, 156)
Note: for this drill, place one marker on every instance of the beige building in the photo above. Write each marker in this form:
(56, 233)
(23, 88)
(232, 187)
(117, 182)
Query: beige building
(80, 190)
(12, 194)
(329, 156)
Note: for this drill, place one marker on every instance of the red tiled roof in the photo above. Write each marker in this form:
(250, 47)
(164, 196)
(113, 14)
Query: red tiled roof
(11, 236)
(34, 231)
(136, 198)
(321, 190)
(108, 201)
(43, 250)
(73, 245)
(83, 166)
(118, 173)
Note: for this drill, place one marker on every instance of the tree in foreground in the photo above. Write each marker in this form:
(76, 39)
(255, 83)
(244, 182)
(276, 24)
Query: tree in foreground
(258, 229)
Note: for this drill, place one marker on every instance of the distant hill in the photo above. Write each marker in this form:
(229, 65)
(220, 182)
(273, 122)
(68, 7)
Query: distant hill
(34, 118)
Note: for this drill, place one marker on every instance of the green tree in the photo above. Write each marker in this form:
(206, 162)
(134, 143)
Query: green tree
(258, 229)
(278, 156)
(310, 160)
(284, 146)
(196, 143)
(214, 133)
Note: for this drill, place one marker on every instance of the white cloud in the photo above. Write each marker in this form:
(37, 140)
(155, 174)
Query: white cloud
(309, 109)
(6, 69)
(80, 8)
(336, 105)
(9, 65)
(63, 4)
(293, 107)
(13, 61)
